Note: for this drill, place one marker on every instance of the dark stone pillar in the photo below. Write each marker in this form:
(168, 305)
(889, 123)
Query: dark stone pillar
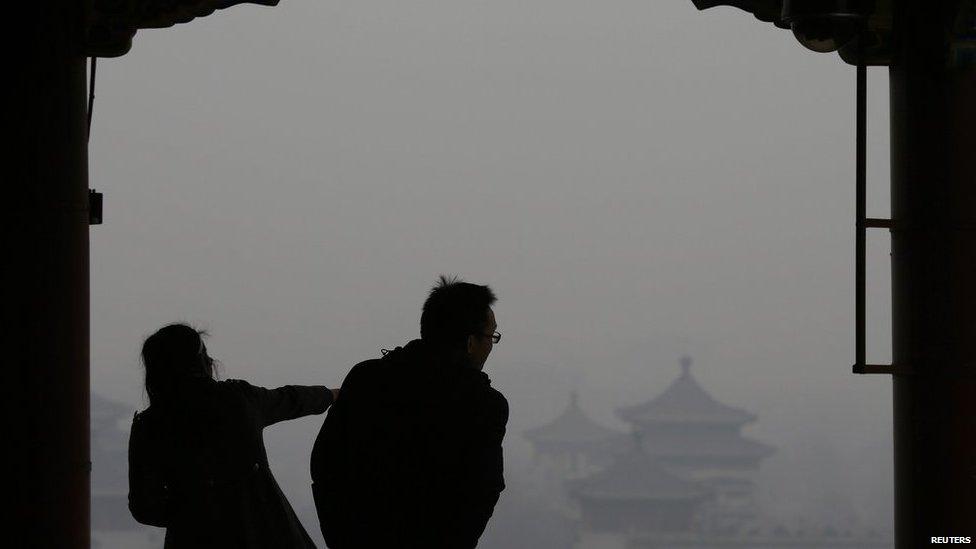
(933, 201)
(46, 305)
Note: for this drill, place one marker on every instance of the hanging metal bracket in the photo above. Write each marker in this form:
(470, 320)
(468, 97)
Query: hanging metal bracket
(94, 207)
(862, 224)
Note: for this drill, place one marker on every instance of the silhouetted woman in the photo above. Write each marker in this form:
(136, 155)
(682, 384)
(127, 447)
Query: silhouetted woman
(197, 463)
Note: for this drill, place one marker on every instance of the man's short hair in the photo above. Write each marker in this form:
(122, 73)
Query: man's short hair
(454, 310)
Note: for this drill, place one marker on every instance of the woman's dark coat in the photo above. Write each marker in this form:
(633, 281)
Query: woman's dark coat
(199, 467)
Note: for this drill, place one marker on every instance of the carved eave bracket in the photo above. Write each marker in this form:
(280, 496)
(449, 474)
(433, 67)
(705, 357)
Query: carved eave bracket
(113, 23)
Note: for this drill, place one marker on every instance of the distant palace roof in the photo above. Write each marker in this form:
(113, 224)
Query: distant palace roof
(635, 475)
(573, 430)
(684, 401)
(726, 445)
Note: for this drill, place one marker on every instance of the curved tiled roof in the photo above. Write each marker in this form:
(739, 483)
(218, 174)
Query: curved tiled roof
(635, 475)
(730, 445)
(573, 428)
(684, 401)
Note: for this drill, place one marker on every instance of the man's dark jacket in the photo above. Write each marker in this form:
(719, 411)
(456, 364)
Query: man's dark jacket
(410, 455)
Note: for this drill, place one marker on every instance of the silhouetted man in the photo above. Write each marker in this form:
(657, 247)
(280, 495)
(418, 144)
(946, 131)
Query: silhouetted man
(410, 455)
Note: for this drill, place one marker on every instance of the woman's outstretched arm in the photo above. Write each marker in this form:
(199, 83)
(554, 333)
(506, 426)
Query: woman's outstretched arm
(289, 402)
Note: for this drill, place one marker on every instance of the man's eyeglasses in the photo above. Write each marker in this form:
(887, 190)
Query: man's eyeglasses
(495, 337)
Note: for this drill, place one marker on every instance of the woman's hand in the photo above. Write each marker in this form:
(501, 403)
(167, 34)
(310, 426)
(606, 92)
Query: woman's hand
(335, 394)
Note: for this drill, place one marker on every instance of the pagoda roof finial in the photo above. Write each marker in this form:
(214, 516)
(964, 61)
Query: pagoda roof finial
(685, 362)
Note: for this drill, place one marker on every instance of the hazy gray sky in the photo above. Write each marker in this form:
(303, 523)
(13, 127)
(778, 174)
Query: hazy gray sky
(637, 180)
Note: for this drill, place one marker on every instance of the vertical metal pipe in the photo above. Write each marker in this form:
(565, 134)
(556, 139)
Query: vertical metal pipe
(860, 214)
(933, 202)
(45, 300)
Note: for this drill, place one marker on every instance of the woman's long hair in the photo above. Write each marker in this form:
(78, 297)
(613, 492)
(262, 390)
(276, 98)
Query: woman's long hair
(172, 354)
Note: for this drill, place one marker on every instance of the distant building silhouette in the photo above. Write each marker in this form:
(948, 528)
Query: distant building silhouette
(685, 477)
(111, 523)
(698, 438)
(637, 495)
(573, 445)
